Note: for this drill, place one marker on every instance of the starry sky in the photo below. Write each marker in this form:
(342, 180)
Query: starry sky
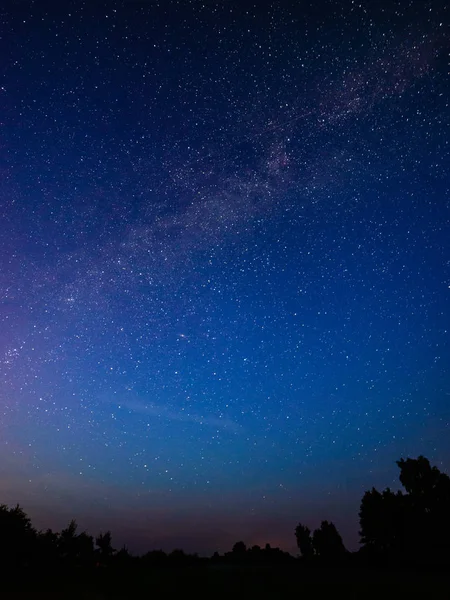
(224, 262)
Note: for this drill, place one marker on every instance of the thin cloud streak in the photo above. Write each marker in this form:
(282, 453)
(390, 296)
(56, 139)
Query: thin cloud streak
(161, 412)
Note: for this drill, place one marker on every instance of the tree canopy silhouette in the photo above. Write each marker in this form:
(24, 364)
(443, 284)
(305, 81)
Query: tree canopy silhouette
(325, 543)
(239, 548)
(17, 536)
(304, 540)
(382, 521)
(76, 549)
(104, 543)
(412, 525)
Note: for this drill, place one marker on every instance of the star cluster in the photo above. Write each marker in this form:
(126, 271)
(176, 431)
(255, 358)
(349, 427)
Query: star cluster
(225, 253)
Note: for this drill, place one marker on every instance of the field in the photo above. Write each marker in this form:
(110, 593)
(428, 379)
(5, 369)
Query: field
(230, 582)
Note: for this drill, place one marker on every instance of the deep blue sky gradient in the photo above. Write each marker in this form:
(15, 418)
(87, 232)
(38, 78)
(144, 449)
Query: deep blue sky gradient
(224, 263)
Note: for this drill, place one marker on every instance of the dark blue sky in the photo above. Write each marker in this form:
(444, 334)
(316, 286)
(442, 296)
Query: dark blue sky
(224, 262)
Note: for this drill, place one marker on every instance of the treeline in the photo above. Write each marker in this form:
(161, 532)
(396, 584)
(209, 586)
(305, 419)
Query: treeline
(403, 527)
(395, 527)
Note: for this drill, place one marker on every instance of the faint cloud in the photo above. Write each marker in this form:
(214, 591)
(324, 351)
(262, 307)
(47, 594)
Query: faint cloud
(162, 412)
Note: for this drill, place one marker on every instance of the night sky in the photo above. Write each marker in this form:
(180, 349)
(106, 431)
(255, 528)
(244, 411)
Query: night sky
(224, 262)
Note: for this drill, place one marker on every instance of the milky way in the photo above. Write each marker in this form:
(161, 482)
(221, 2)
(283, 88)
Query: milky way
(224, 263)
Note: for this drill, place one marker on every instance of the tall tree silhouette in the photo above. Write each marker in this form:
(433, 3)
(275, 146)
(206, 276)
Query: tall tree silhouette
(17, 537)
(327, 542)
(104, 544)
(67, 542)
(123, 556)
(383, 521)
(429, 493)
(48, 547)
(412, 525)
(419, 478)
(304, 540)
(85, 548)
(76, 549)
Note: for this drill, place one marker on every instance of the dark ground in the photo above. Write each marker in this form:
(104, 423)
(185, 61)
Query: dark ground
(229, 582)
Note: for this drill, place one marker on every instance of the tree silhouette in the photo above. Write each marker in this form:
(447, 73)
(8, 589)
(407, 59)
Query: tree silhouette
(85, 548)
(429, 497)
(123, 556)
(155, 558)
(304, 540)
(327, 542)
(76, 549)
(48, 547)
(383, 520)
(17, 537)
(105, 550)
(412, 525)
(419, 478)
(239, 549)
(67, 542)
